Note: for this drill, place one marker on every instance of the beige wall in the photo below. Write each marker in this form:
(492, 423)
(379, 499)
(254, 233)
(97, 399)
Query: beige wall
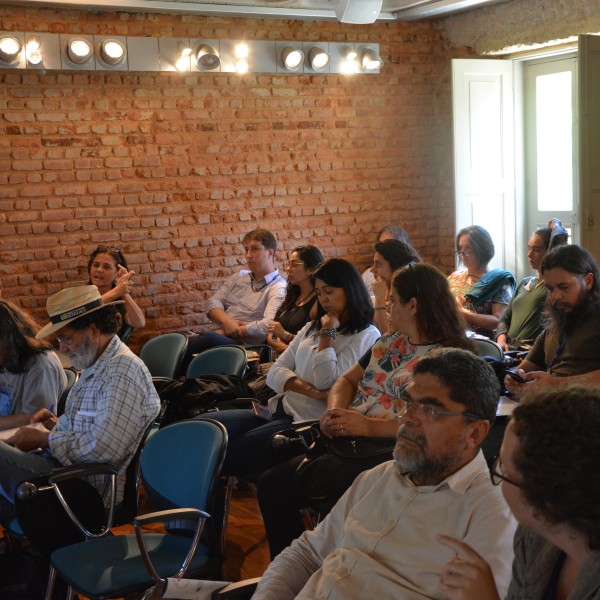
(519, 24)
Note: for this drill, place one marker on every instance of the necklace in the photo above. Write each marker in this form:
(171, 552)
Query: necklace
(305, 298)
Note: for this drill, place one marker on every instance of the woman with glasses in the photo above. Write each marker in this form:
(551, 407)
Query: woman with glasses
(389, 256)
(107, 269)
(482, 294)
(549, 470)
(299, 306)
(521, 322)
(423, 316)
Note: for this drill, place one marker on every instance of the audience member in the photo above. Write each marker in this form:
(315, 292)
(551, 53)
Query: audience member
(482, 295)
(299, 305)
(108, 271)
(390, 255)
(548, 469)
(31, 376)
(301, 376)
(379, 539)
(389, 232)
(424, 316)
(521, 322)
(107, 410)
(568, 350)
(247, 302)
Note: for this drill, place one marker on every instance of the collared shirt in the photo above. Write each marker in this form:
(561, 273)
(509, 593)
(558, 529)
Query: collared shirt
(107, 412)
(379, 539)
(321, 368)
(253, 302)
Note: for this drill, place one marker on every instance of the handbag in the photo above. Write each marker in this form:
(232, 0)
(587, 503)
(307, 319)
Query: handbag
(332, 464)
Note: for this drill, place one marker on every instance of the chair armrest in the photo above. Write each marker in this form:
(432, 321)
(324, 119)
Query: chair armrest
(163, 516)
(81, 470)
(242, 590)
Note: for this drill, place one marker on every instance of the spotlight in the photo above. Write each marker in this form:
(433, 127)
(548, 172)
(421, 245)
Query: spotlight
(33, 52)
(370, 60)
(292, 58)
(112, 52)
(79, 51)
(318, 58)
(208, 57)
(9, 49)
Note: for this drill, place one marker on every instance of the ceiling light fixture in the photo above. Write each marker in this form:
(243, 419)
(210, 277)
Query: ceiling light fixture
(79, 51)
(33, 51)
(112, 52)
(292, 58)
(370, 60)
(318, 58)
(9, 49)
(208, 57)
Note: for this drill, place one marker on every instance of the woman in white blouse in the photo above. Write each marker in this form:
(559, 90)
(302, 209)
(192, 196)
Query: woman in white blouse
(323, 349)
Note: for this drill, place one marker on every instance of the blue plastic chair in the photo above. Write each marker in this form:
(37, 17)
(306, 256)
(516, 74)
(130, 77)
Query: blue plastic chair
(179, 469)
(163, 354)
(221, 360)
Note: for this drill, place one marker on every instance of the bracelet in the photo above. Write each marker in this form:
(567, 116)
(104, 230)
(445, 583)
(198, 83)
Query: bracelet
(287, 336)
(329, 332)
(379, 308)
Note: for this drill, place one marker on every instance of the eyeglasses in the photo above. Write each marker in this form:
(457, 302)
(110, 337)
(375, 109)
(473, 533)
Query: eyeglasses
(292, 264)
(429, 411)
(497, 477)
(466, 252)
(66, 341)
(110, 250)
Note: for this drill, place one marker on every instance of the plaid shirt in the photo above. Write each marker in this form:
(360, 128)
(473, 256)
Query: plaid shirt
(107, 411)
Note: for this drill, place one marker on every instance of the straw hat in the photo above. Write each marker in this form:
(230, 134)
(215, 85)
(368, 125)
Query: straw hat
(68, 305)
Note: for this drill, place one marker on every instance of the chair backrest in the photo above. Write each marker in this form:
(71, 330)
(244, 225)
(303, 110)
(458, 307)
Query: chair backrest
(163, 354)
(221, 360)
(181, 464)
(486, 347)
(72, 377)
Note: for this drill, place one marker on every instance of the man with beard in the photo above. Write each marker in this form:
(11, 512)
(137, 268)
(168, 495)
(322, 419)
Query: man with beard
(568, 350)
(107, 410)
(379, 539)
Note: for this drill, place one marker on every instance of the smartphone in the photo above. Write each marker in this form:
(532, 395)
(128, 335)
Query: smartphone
(262, 411)
(514, 375)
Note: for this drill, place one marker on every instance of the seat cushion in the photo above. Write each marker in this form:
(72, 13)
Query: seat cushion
(112, 567)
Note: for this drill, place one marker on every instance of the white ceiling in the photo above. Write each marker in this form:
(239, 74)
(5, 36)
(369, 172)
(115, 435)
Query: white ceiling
(403, 10)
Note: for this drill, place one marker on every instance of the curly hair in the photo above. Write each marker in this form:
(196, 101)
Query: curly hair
(481, 241)
(469, 379)
(107, 319)
(17, 334)
(558, 455)
(397, 253)
(339, 273)
(437, 317)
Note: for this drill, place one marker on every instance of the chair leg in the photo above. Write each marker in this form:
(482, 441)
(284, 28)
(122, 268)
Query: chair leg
(231, 481)
(51, 583)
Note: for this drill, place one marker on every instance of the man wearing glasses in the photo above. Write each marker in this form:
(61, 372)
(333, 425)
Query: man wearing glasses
(379, 540)
(107, 411)
(568, 350)
(247, 302)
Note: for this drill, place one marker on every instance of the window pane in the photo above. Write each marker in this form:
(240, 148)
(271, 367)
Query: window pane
(554, 127)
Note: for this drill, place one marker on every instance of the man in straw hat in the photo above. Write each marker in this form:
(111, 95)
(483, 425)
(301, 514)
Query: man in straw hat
(107, 411)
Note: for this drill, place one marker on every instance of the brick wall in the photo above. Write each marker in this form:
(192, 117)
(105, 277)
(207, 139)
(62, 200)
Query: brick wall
(174, 168)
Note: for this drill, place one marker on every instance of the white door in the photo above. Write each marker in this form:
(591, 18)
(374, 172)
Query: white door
(484, 169)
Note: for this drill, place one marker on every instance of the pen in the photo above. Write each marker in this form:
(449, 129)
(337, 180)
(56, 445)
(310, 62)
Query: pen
(51, 409)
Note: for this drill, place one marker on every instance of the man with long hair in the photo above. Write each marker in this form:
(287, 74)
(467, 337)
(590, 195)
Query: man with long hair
(568, 350)
(31, 376)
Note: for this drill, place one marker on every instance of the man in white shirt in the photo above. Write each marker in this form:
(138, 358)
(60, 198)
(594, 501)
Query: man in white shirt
(379, 541)
(247, 302)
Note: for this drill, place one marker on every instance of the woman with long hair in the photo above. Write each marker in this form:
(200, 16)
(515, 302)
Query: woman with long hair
(521, 322)
(389, 256)
(107, 269)
(424, 316)
(482, 294)
(31, 375)
(323, 349)
(548, 468)
(300, 299)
